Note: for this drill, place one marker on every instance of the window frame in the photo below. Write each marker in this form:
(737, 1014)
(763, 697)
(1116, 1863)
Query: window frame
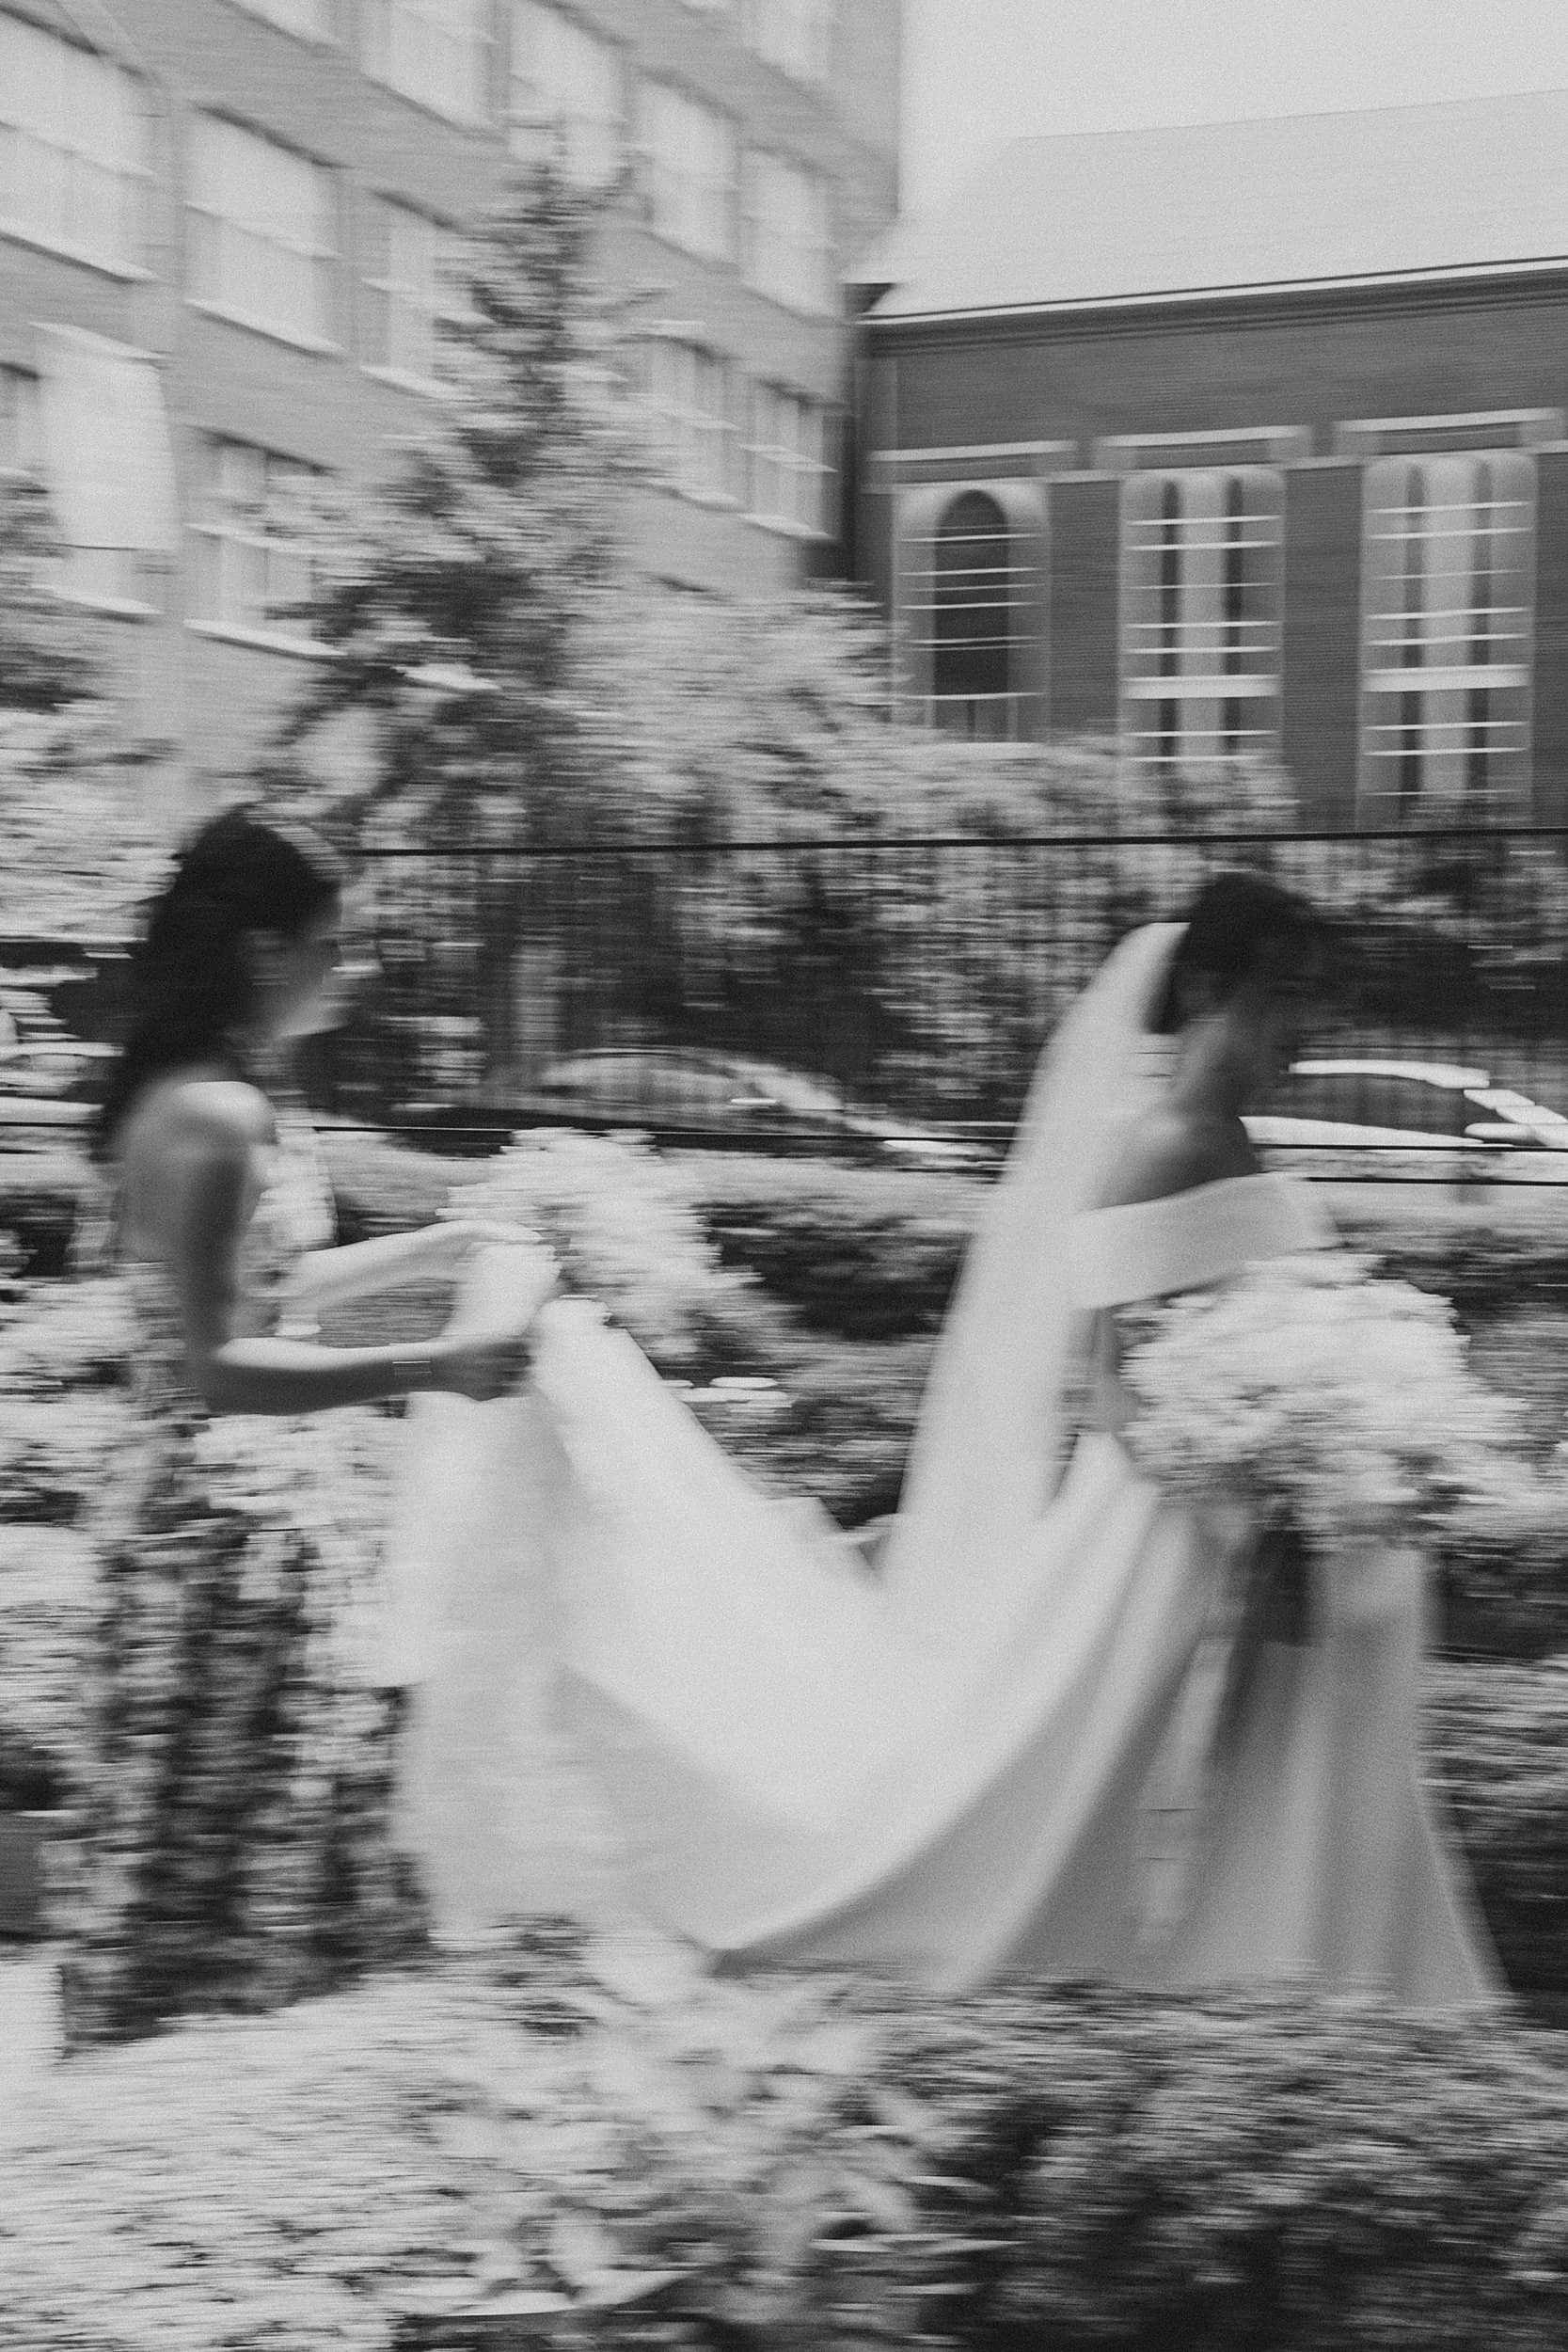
(811, 291)
(21, 420)
(526, 126)
(656, 171)
(1456, 776)
(694, 425)
(132, 170)
(446, 245)
(788, 461)
(416, 89)
(325, 37)
(803, 50)
(323, 262)
(1202, 647)
(221, 532)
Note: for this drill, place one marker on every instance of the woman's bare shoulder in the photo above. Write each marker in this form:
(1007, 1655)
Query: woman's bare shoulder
(1172, 1151)
(198, 1114)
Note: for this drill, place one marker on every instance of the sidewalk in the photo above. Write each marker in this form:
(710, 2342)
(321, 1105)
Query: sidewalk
(27, 2024)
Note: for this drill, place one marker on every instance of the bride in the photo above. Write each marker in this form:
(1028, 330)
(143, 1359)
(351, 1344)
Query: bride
(1070, 1728)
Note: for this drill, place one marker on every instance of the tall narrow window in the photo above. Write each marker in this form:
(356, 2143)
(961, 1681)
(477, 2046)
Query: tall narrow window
(689, 409)
(252, 566)
(1200, 599)
(797, 36)
(566, 84)
(21, 423)
(1447, 634)
(431, 50)
(788, 477)
(689, 165)
(787, 249)
(973, 603)
(411, 290)
(74, 148)
(262, 232)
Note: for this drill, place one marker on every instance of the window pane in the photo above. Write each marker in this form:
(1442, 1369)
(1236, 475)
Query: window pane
(20, 433)
(689, 163)
(261, 230)
(691, 427)
(72, 145)
(250, 558)
(787, 473)
(797, 36)
(789, 248)
(431, 50)
(308, 17)
(1448, 630)
(565, 81)
(1200, 623)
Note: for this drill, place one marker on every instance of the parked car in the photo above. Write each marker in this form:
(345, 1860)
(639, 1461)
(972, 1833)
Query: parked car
(733, 1098)
(1374, 1119)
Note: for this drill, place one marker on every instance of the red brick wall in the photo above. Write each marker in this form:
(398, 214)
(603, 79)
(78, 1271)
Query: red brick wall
(1322, 540)
(1314, 362)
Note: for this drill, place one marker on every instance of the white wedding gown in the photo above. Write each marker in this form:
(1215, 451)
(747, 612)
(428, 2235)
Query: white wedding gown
(1054, 1738)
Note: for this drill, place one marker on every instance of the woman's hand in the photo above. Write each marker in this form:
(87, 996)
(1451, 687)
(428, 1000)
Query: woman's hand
(454, 1240)
(485, 1367)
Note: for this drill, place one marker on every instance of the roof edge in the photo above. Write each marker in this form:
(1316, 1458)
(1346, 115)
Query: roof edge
(1260, 290)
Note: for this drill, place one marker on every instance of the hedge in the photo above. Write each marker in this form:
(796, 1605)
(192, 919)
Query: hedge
(1497, 1739)
(570, 2147)
(858, 1252)
(41, 1197)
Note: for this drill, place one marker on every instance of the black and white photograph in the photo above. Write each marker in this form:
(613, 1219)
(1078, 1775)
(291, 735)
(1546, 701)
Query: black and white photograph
(783, 1175)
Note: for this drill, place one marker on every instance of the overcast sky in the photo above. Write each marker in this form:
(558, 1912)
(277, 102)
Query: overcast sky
(977, 71)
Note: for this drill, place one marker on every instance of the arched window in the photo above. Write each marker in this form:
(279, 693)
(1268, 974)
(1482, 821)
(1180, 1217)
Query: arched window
(972, 605)
(1446, 633)
(1200, 600)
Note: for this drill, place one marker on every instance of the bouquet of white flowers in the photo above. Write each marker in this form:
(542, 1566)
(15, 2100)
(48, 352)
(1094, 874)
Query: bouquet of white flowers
(1319, 1392)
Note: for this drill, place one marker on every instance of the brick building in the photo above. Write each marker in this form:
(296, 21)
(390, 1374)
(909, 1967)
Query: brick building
(223, 226)
(1241, 438)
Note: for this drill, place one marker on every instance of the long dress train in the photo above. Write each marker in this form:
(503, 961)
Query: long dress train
(774, 1771)
(1053, 1736)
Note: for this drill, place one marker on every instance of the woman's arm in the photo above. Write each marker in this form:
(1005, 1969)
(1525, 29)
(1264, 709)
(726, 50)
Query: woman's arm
(325, 1278)
(206, 1195)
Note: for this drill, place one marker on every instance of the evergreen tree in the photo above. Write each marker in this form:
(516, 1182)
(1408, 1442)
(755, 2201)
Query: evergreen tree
(80, 848)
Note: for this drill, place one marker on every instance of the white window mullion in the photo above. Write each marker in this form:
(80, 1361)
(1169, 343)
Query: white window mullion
(1201, 612)
(1446, 632)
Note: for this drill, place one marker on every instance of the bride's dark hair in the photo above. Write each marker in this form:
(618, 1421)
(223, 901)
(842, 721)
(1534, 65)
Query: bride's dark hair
(1240, 925)
(192, 987)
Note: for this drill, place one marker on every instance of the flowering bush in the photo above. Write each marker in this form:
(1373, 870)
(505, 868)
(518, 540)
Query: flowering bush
(575, 2147)
(1314, 1388)
(623, 1225)
(45, 1605)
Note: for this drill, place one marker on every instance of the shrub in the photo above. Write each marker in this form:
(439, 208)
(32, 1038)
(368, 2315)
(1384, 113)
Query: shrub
(865, 1253)
(41, 1196)
(614, 2151)
(45, 1600)
(1498, 1737)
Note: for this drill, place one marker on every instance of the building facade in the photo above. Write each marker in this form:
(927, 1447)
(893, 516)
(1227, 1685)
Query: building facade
(1244, 440)
(226, 233)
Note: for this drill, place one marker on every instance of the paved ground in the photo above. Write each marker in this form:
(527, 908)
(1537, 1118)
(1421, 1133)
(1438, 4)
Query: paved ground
(28, 2024)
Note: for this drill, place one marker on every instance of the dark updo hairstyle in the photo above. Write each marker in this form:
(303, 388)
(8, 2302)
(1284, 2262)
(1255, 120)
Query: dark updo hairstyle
(1241, 926)
(192, 987)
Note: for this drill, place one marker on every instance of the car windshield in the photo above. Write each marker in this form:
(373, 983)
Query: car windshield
(1366, 1098)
